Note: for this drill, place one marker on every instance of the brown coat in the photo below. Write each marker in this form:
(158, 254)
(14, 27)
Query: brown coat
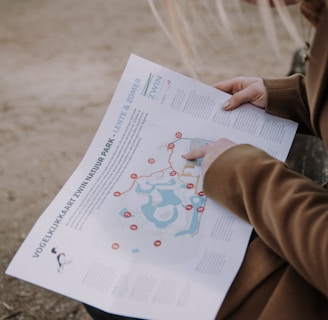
(285, 271)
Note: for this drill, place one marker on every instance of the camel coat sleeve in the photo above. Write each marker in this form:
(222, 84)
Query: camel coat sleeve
(288, 99)
(288, 211)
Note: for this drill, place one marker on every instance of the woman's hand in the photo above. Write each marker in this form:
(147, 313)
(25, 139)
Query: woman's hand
(243, 89)
(209, 152)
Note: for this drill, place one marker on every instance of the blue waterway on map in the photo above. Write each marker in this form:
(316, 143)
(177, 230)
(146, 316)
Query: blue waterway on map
(169, 198)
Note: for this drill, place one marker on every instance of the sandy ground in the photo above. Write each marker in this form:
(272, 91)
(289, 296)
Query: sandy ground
(60, 62)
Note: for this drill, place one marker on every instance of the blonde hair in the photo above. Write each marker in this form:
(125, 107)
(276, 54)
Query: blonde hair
(186, 21)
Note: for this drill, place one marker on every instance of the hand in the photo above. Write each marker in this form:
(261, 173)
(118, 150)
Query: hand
(243, 89)
(209, 152)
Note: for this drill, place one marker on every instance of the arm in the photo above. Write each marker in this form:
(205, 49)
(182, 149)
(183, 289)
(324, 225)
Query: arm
(287, 98)
(288, 211)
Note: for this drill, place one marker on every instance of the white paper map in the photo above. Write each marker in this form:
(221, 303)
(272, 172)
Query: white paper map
(132, 232)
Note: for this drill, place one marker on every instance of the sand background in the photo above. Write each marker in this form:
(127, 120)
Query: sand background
(60, 62)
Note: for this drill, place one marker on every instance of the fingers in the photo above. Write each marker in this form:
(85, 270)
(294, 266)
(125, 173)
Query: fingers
(243, 90)
(237, 99)
(226, 85)
(236, 87)
(215, 148)
(209, 152)
(194, 154)
(240, 97)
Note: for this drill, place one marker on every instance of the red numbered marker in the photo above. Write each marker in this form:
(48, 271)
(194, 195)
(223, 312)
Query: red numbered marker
(157, 243)
(151, 160)
(133, 227)
(133, 176)
(115, 246)
(127, 214)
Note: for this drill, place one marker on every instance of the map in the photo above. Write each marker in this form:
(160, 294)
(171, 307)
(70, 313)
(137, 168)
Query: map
(131, 231)
(163, 204)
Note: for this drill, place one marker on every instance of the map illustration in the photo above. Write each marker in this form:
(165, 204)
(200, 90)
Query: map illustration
(163, 206)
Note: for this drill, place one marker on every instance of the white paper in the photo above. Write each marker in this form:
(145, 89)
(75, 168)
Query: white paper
(131, 232)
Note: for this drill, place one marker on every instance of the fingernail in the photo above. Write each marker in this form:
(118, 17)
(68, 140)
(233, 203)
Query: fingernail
(225, 105)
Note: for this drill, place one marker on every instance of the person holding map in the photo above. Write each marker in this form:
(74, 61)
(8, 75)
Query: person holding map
(285, 271)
